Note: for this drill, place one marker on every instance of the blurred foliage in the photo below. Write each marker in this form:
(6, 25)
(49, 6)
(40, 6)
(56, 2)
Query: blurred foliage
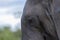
(7, 34)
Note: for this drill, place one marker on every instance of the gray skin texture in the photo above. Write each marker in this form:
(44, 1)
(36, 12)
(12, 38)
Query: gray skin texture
(38, 22)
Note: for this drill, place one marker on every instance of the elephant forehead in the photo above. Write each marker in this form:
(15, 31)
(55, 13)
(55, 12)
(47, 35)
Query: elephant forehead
(36, 9)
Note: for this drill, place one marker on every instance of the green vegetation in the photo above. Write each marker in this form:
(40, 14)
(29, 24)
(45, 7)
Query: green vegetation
(7, 34)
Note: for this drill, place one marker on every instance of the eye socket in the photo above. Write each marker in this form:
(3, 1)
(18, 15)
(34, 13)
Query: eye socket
(30, 21)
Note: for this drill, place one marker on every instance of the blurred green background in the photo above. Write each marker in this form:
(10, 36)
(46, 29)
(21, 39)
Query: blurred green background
(7, 34)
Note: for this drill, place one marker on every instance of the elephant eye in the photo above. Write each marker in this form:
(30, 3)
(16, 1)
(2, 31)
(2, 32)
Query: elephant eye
(30, 21)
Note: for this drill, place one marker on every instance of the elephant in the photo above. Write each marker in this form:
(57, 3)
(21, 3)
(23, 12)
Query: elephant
(41, 20)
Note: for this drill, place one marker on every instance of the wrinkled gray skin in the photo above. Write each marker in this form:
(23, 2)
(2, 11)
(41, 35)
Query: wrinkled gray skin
(40, 21)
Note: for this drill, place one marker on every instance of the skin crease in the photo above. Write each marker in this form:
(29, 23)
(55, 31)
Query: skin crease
(37, 22)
